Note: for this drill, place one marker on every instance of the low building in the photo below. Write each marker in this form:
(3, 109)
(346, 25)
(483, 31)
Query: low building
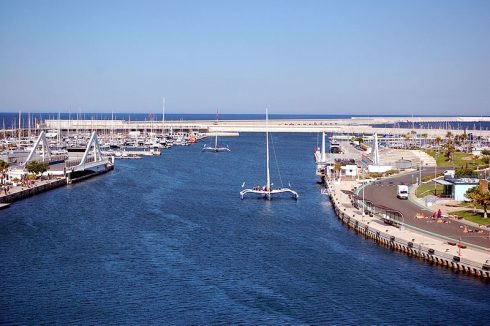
(456, 188)
(349, 170)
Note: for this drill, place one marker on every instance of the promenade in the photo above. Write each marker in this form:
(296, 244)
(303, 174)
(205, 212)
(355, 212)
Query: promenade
(425, 245)
(15, 193)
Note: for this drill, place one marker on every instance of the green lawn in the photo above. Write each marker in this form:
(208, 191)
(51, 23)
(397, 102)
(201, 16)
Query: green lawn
(469, 216)
(460, 159)
(426, 189)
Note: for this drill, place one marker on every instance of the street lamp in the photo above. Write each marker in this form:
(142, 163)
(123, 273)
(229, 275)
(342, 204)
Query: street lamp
(420, 172)
(435, 176)
(363, 202)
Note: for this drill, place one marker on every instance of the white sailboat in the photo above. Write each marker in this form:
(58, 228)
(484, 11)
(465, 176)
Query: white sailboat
(216, 148)
(267, 191)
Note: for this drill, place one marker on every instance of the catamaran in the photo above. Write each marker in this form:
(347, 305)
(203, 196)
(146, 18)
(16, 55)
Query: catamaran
(267, 191)
(217, 148)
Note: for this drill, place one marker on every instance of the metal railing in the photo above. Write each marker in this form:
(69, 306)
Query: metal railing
(420, 247)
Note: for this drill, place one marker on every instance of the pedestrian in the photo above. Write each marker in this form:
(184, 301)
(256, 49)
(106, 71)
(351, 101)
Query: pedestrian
(439, 213)
(434, 215)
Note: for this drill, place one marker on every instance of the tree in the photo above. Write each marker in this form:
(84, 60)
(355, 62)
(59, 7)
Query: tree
(358, 139)
(485, 152)
(485, 159)
(485, 202)
(37, 167)
(466, 171)
(438, 141)
(479, 197)
(449, 150)
(472, 194)
(464, 139)
(3, 166)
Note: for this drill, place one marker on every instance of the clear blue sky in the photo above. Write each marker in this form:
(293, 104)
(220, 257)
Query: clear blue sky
(318, 57)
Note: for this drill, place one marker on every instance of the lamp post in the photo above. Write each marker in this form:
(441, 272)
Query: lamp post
(420, 172)
(362, 214)
(435, 175)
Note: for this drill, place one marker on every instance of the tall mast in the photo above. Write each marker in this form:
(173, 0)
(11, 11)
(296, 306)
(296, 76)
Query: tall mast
(163, 116)
(216, 134)
(59, 129)
(20, 125)
(112, 126)
(267, 147)
(29, 125)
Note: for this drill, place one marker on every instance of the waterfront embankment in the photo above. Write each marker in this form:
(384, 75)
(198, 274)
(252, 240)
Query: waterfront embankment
(15, 193)
(469, 260)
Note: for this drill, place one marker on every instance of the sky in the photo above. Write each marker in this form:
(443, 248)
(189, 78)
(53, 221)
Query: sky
(301, 57)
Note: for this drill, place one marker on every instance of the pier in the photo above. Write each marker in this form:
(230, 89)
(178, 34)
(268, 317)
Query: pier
(355, 125)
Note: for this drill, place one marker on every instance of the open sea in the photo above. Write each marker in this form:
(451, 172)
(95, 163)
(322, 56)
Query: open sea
(167, 240)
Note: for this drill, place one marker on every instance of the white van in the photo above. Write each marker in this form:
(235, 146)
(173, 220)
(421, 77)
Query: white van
(402, 191)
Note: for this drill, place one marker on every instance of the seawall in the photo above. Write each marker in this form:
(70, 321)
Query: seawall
(434, 251)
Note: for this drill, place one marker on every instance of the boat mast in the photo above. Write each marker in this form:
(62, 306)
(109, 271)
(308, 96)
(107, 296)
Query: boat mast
(216, 133)
(163, 116)
(268, 185)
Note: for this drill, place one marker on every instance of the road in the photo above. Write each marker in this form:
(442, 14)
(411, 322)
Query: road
(384, 193)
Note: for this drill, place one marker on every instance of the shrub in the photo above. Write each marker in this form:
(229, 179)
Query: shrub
(37, 167)
(465, 172)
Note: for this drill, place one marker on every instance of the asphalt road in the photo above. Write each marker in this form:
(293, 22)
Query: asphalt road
(384, 193)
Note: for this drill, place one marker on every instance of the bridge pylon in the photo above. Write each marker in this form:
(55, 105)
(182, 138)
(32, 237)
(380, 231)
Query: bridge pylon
(45, 152)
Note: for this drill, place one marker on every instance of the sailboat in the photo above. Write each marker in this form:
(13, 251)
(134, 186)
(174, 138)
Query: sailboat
(216, 147)
(267, 191)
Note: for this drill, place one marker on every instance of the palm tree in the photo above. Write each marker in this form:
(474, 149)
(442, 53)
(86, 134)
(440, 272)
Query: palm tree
(464, 139)
(472, 194)
(406, 137)
(449, 135)
(449, 150)
(485, 202)
(479, 197)
(438, 141)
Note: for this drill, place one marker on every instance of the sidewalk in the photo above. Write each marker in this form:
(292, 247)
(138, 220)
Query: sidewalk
(18, 192)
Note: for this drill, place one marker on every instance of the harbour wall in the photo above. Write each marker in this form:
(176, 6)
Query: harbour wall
(374, 232)
(28, 192)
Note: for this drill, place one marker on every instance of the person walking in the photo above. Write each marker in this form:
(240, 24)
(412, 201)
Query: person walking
(439, 213)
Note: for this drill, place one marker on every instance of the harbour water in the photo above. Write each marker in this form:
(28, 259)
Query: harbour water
(167, 240)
